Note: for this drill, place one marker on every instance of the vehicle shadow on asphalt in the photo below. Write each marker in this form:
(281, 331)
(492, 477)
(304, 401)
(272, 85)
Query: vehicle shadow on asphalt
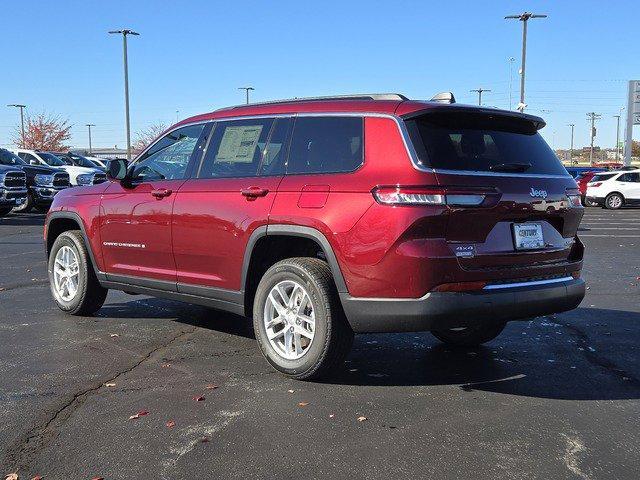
(554, 359)
(23, 220)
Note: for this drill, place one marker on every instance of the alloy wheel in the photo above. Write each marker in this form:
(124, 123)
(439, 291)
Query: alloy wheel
(289, 319)
(66, 272)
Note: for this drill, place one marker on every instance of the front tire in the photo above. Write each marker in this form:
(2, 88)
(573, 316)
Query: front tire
(614, 201)
(470, 336)
(74, 285)
(588, 203)
(298, 320)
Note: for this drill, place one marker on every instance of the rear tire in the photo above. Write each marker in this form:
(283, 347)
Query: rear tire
(309, 292)
(614, 201)
(26, 206)
(470, 336)
(68, 256)
(588, 203)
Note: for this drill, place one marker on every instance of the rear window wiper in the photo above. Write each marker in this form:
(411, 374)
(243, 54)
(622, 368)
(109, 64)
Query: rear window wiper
(510, 167)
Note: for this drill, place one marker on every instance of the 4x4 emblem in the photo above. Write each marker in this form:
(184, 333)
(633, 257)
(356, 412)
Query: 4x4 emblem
(538, 193)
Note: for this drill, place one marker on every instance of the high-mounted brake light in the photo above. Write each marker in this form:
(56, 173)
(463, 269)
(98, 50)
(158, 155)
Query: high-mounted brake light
(456, 197)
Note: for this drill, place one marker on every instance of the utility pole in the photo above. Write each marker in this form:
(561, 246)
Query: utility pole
(617, 117)
(480, 90)
(124, 34)
(90, 125)
(247, 90)
(633, 118)
(511, 60)
(21, 107)
(524, 18)
(593, 116)
(572, 125)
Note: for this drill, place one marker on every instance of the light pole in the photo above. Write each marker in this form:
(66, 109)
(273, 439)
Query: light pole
(21, 107)
(90, 125)
(593, 116)
(124, 34)
(524, 18)
(247, 90)
(572, 125)
(511, 60)
(617, 117)
(480, 90)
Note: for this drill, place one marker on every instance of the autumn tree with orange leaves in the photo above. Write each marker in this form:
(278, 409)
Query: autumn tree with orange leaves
(145, 136)
(44, 132)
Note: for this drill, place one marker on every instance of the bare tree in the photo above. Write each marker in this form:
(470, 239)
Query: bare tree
(44, 132)
(147, 135)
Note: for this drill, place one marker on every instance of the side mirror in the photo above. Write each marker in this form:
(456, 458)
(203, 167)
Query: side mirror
(117, 169)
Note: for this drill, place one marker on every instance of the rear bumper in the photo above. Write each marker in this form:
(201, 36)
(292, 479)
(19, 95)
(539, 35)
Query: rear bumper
(439, 310)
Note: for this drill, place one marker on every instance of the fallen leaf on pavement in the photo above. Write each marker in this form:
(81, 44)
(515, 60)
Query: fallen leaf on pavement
(12, 476)
(171, 424)
(204, 439)
(303, 404)
(37, 477)
(165, 365)
(199, 398)
(97, 478)
(109, 384)
(290, 391)
(362, 419)
(331, 415)
(114, 335)
(211, 386)
(141, 413)
(1, 289)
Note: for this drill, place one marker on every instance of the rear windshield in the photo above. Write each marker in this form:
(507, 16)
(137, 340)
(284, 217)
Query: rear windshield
(601, 177)
(481, 142)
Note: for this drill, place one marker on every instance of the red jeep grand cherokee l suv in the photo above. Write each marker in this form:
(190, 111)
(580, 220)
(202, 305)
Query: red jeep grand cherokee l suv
(329, 216)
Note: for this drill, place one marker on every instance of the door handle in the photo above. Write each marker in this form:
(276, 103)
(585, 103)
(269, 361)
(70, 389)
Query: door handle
(161, 192)
(254, 192)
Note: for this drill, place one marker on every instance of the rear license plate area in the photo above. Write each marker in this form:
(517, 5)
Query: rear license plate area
(527, 236)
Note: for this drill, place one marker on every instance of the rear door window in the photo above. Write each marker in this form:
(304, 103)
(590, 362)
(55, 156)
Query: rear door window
(629, 177)
(483, 143)
(236, 148)
(326, 145)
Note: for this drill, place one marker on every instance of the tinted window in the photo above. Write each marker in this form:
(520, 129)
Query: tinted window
(276, 153)
(168, 158)
(601, 177)
(480, 142)
(629, 177)
(9, 158)
(326, 144)
(236, 148)
(51, 159)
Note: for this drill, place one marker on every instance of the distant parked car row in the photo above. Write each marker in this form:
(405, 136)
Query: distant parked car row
(29, 179)
(614, 189)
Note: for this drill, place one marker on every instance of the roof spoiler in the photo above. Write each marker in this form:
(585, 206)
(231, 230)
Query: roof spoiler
(443, 97)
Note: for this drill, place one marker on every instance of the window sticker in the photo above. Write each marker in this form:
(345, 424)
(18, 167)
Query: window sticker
(238, 144)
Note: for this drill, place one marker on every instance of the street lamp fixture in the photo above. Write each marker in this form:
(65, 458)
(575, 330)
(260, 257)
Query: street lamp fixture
(124, 34)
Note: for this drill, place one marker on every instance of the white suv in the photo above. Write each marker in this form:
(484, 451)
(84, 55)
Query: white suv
(615, 189)
(77, 175)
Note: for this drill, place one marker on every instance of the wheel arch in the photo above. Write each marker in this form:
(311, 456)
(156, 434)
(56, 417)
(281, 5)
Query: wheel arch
(263, 233)
(60, 222)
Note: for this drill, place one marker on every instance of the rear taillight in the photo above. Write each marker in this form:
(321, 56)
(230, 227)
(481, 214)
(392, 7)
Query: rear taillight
(455, 197)
(574, 197)
(596, 184)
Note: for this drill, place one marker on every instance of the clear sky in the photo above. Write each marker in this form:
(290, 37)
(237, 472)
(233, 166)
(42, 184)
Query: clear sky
(192, 55)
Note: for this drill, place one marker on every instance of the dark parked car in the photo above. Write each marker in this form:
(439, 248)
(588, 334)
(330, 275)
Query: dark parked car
(324, 217)
(13, 188)
(42, 182)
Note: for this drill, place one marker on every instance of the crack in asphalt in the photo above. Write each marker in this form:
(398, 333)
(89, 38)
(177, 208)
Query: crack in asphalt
(593, 358)
(36, 438)
(17, 286)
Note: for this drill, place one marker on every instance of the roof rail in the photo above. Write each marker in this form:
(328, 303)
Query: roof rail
(362, 96)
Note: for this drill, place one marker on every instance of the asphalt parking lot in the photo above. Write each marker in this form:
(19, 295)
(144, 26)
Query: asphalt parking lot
(551, 398)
